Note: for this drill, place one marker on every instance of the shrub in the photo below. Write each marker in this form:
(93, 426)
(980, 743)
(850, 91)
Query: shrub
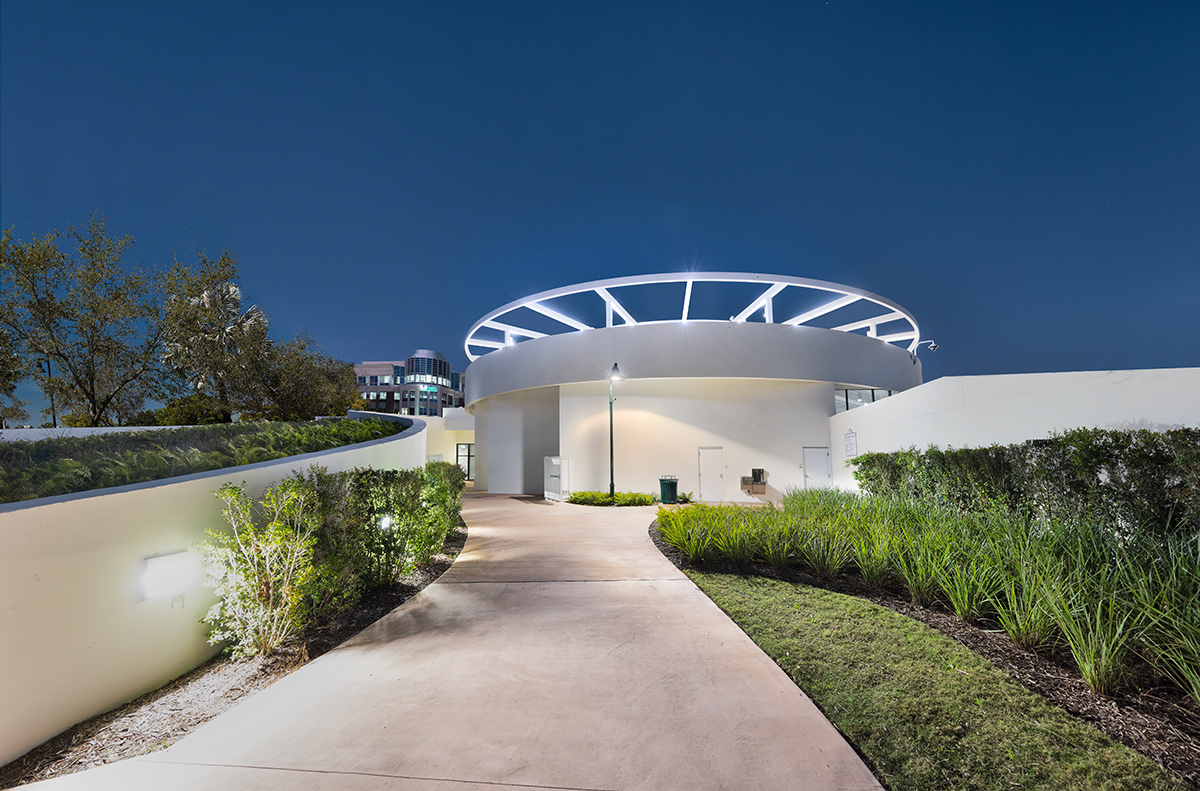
(261, 569)
(322, 539)
(602, 498)
(1132, 479)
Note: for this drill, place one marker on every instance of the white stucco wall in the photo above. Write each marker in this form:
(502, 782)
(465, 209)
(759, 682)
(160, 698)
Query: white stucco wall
(442, 440)
(75, 637)
(660, 424)
(977, 411)
(513, 437)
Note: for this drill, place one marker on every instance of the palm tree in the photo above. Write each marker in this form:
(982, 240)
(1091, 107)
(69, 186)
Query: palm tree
(214, 340)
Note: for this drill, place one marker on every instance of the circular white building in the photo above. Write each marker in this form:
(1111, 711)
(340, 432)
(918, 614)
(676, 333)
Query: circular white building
(723, 374)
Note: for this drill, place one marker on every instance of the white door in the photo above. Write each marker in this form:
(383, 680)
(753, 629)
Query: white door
(818, 470)
(712, 474)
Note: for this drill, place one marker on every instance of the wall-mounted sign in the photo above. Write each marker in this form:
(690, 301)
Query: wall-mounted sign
(428, 388)
(851, 444)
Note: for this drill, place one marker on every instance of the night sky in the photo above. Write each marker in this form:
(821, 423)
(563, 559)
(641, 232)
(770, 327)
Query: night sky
(1023, 177)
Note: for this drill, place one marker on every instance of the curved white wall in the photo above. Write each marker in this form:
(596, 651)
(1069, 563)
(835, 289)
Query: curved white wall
(694, 349)
(75, 637)
(759, 392)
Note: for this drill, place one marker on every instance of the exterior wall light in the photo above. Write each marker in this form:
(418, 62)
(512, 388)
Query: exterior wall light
(170, 575)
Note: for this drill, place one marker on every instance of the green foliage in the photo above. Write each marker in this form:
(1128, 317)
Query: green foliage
(332, 536)
(98, 324)
(212, 341)
(922, 710)
(687, 531)
(1134, 479)
(12, 371)
(1115, 598)
(196, 409)
(261, 568)
(295, 381)
(74, 464)
(602, 498)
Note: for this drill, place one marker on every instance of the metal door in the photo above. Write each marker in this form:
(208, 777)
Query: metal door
(818, 470)
(712, 474)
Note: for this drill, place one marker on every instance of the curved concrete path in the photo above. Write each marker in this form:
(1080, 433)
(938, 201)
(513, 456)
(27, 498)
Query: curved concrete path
(560, 651)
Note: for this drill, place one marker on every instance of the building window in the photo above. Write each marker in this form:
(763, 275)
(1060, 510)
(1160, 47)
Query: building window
(852, 398)
(466, 459)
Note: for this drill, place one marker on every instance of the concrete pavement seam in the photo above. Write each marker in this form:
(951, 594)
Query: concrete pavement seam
(147, 759)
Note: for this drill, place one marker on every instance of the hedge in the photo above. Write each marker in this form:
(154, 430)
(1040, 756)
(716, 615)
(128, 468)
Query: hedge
(1134, 478)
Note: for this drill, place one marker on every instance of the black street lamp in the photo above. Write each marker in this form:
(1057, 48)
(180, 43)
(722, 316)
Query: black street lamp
(613, 376)
(44, 367)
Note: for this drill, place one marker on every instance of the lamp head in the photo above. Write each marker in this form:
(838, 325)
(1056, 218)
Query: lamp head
(615, 374)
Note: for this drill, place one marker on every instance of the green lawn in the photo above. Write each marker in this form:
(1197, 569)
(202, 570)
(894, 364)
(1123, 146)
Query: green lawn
(924, 712)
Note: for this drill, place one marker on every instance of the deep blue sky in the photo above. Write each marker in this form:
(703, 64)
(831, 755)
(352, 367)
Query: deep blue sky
(1023, 177)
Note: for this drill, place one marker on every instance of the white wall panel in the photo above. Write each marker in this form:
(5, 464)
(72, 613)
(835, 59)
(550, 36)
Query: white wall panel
(660, 424)
(977, 411)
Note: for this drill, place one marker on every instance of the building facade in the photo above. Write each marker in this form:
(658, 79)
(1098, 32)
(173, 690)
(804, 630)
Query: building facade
(421, 385)
(726, 378)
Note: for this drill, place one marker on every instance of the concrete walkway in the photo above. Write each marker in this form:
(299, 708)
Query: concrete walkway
(561, 651)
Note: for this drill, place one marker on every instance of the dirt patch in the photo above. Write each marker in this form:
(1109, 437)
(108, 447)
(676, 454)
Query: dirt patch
(1151, 716)
(161, 718)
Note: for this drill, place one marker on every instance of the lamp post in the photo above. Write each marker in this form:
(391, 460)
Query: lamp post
(613, 376)
(45, 368)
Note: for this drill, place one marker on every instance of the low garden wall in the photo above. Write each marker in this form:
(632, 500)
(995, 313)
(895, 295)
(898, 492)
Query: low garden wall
(77, 634)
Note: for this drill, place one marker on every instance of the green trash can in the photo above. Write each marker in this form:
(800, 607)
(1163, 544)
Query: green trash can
(668, 488)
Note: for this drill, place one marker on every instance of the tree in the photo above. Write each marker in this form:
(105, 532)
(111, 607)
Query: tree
(297, 381)
(212, 340)
(196, 409)
(12, 371)
(101, 326)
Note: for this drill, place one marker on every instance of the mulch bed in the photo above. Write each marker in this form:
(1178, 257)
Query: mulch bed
(162, 717)
(1150, 715)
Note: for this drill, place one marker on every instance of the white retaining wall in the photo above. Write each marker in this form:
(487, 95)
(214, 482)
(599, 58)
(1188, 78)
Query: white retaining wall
(76, 638)
(978, 411)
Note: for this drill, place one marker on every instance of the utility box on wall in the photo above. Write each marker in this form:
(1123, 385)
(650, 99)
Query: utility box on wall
(558, 479)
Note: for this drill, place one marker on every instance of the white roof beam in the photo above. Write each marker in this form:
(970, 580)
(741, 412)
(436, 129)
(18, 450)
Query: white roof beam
(485, 344)
(828, 307)
(899, 336)
(870, 323)
(615, 305)
(760, 302)
(554, 314)
(687, 300)
(514, 330)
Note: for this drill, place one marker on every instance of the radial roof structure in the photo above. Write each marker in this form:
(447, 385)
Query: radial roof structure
(694, 296)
